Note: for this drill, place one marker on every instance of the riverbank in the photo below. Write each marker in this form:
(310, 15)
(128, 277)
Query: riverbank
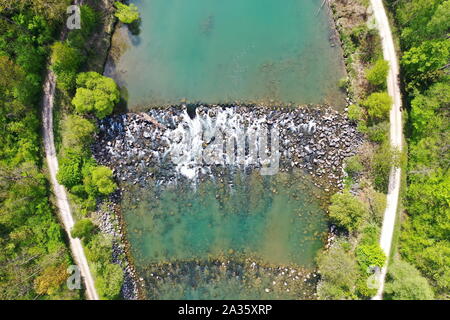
(93, 42)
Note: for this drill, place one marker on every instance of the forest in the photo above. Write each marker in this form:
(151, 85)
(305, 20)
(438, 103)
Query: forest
(423, 32)
(33, 256)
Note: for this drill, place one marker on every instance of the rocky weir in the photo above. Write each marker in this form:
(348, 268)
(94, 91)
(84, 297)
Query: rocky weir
(189, 144)
(175, 144)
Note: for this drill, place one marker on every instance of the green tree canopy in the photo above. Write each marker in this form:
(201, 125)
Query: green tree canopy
(65, 62)
(78, 131)
(377, 74)
(347, 211)
(126, 14)
(83, 229)
(70, 165)
(110, 282)
(339, 273)
(378, 105)
(95, 94)
(370, 255)
(404, 282)
(102, 179)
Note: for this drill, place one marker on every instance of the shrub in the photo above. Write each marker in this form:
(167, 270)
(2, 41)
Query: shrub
(347, 211)
(378, 105)
(102, 179)
(354, 112)
(369, 255)
(69, 172)
(343, 83)
(339, 273)
(96, 94)
(110, 281)
(378, 132)
(83, 229)
(126, 14)
(353, 166)
(78, 132)
(65, 62)
(377, 74)
(404, 282)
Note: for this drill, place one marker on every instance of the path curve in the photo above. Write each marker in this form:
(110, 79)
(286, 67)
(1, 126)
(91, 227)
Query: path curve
(396, 137)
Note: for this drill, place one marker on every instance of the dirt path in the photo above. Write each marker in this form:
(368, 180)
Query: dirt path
(396, 138)
(64, 212)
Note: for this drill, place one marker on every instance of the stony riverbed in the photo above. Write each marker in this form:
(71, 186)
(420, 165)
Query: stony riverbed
(314, 139)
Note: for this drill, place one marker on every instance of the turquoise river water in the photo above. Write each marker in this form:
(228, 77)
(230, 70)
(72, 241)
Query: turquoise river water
(202, 241)
(216, 51)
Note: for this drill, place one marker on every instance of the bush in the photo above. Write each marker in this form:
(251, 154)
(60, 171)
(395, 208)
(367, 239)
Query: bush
(83, 229)
(369, 255)
(126, 14)
(78, 132)
(378, 105)
(377, 75)
(65, 62)
(102, 179)
(110, 281)
(354, 112)
(353, 166)
(379, 132)
(404, 282)
(347, 211)
(95, 94)
(339, 273)
(69, 172)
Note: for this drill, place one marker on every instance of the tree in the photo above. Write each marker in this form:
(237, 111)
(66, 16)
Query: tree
(439, 24)
(354, 112)
(83, 229)
(89, 19)
(347, 211)
(422, 63)
(110, 281)
(404, 282)
(95, 94)
(78, 132)
(65, 62)
(339, 273)
(378, 73)
(126, 14)
(51, 279)
(369, 255)
(69, 172)
(378, 105)
(102, 179)
(385, 157)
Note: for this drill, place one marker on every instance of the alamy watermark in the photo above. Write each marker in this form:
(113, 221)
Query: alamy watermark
(74, 19)
(74, 280)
